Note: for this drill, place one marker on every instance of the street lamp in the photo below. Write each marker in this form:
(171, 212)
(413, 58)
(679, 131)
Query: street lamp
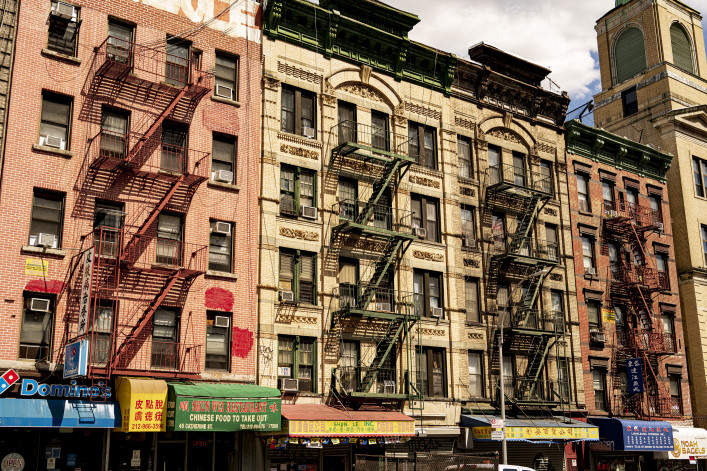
(504, 451)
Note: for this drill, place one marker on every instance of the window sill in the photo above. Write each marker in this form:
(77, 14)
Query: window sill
(590, 277)
(219, 99)
(474, 324)
(52, 150)
(585, 213)
(484, 400)
(221, 274)
(60, 56)
(225, 186)
(44, 250)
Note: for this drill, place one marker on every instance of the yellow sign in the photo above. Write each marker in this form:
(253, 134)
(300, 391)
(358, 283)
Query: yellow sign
(350, 428)
(143, 404)
(36, 267)
(541, 433)
(609, 315)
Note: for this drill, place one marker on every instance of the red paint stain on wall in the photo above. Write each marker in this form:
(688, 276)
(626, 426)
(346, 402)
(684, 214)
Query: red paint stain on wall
(42, 286)
(242, 342)
(218, 298)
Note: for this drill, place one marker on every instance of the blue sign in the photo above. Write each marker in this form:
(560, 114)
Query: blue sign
(634, 370)
(635, 435)
(76, 359)
(71, 460)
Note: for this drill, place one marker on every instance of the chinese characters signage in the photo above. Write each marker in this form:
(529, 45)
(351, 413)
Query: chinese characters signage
(540, 433)
(648, 436)
(635, 375)
(223, 415)
(86, 280)
(350, 428)
(143, 404)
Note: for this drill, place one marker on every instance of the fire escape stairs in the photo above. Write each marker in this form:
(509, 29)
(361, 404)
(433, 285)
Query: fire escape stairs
(383, 349)
(379, 186)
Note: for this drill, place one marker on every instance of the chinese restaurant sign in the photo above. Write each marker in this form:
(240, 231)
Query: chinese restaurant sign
(350, 428)
(648, 436)
(223, 415)
(540, 433)
(635, 375)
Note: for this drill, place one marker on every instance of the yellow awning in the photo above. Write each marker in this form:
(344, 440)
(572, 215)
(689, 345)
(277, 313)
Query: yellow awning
(143, 404)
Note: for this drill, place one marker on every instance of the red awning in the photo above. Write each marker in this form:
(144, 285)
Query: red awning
(318, 420)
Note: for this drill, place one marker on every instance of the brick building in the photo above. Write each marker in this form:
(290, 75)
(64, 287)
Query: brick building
(128, 197)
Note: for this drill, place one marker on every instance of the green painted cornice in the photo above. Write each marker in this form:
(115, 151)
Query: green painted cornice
(620, 152)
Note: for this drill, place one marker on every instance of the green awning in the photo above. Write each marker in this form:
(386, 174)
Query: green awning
(222, 407)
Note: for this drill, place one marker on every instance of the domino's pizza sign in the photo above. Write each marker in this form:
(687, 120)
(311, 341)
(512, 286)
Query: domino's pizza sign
(76, 359)
(8, 379)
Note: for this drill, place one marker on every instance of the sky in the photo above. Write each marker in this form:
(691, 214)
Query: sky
(558, 34)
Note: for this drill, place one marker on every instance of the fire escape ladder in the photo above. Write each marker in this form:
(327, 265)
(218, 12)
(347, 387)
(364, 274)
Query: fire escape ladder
(530, 296)
(146, 316)
(662, 394)
(382, 266)
(525, 224)
(379, 187)
(540, 346)
(385, 345)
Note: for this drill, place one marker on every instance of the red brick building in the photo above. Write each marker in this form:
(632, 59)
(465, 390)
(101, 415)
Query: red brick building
(132, 155)
(626, 279)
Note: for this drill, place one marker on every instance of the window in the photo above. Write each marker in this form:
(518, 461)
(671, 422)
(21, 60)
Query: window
(661, 262)
(563, 378)
(675, 394)
(298, 116)
(557, 307)
(101, 326)
(37, 329)
(593, 316)
(64, 24)
(177, 63)
(471, 290)
(226, 76)
(119, 43)
(607, 191)
(218, 340)
(114, 133)
(296, 359)
(632, 195)
(297, 190)
(669, 332)
(47, 219)
(630, 101)
(476, 374)
(348, 364)
(223, 158)
(428, 293)
(422, 144)
(599, 384)
(165, 338)
(682, 48)
(381, 137)
(657, 207)
(704, 241)
(464, 152)
(432, 379)
(55, 127)
(613, 260)
(583, 192)
(108, 218)
(699, 167)
(629, 54)
(588, 255)
(348, 282)
(348, 199)
(221, 246)
(494, 156)
(174, 147)
(546, 175)
(468, 232)
(425, 212)
(552, 242)
(348, 129)
(519, 177)
(297, 275)
(168, 250)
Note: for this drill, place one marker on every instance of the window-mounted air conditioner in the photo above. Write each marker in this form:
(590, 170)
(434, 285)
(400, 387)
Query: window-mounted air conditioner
(224, 92)
(64, 11)
(39, 304)
(383, 307)
(437, 312)
(308, 132)
(388, 386)
(309, 212)
(52, 141)
(222, 321)
(46, 240)
(223, 176)
(289, 385)
(596, 335)
(222, 228)
(421, 232)
(590, 271)
(287, 296)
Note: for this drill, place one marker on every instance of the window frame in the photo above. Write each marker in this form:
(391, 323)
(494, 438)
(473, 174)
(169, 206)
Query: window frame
(603, 406)
(297, 361)
(656, 200)
(480, 375)
(591, 240)
(170, 352)
(598, 324)
(296, 269)
(211, 317)
(296, 193)
(477, 301)
(426, 385)
(584, 196)
(426, 276)
(76, 25)
(52, 196)
(233, 84)
(228, 242)
(60, 99)
(465, 140)
(229, 140)
(417, 132)
(470, 231)
(423, 201)
(48, 333)
(297, 109)
(699, 171)
(703, 230)
(629, 101)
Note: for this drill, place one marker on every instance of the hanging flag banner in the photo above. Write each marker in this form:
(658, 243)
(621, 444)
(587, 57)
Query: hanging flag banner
(635, 375)
(86, 280)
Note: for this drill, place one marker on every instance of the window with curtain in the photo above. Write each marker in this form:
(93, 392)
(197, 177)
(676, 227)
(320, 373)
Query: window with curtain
(168, 249)
(464, 153)
(594, 316)
(101, 326)
(174, 147)
(432, 378)
(114, 133)
(297, 113)
(297, 274)
(656, 206)
(119, 44)
(471, 289)
(55, 125)
(226, 76)
(348, 283)
(348, 362)
(468, 232)
(583, 192)
(682, 48)
(588, 254)
(165, 337)
(425, 215)
(47, 217)
(629, 54)
(218, 340)
(427, 288)
(223, 158)
(669, 331)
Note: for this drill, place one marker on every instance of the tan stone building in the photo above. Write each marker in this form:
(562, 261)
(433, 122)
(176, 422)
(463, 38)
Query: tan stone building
(411, 202)
(654, 91)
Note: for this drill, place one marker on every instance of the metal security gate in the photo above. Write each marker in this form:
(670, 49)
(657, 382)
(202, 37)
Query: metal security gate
(428, 462)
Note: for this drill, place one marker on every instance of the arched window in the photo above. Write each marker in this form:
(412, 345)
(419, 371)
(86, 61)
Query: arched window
(682, 49)
(629, 54)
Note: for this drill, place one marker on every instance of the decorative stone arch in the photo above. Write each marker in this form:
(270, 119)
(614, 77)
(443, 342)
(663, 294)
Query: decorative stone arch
(514, 133)
(691, 42)
(375, 85)
(612, 48)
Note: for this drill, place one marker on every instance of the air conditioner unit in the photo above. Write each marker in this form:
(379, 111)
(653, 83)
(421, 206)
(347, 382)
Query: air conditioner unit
(383, 307)
(590, 271)
(661, 227)
(437, 312)
(287, 296)
(308, 132)
(52, 141)
(222, 321)
(39, 304)
(224, 176)
(289, 385)
(64, 11)
(596, 335)
(223, 228)
(421, 232)
(388, 386)
(224, 92)
(309, 212)
(469, 242)
(46, 240)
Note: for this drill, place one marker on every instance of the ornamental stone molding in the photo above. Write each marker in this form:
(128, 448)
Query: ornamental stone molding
(467, 191)
(475, 336)
(299, 140)
(433, 332)
(555, 276)
(298, 73)
(271, 83)
(472, 263)
(550, 211)
(362, 90)
(423, 111)
(433, 257)
(299, 234)
(464, 123)
(547, 148)
(299, 152)
(505, 135)
(424, 181)
(292, 319)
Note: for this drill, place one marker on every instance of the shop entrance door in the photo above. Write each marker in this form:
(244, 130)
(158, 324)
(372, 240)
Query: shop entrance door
(335, 463)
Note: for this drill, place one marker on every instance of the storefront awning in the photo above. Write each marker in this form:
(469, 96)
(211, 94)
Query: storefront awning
(688, 443)
(143, 404)
(318, 420)
(223, 407)
(58, 413)
(635, 435)
(532, 430)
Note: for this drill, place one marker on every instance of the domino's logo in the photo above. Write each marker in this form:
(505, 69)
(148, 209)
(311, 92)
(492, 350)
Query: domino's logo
(8, 379)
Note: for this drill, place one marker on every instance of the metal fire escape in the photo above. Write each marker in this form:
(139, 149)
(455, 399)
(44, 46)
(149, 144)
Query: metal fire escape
(634, 280)
(520, 261)
(373, 225)
(135, 267)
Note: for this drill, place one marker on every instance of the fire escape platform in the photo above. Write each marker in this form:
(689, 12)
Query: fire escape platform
(348, 227)
(368, 153)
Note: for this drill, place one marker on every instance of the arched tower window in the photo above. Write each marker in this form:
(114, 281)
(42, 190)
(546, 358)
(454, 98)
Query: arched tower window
(682, 49)
(629, 54)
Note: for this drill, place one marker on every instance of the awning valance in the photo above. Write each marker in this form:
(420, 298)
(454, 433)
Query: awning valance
(223, 407)
(58, 413)
(143, 404)
(688, 443)
(318, 420)
(635, 435)
(557, 429)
